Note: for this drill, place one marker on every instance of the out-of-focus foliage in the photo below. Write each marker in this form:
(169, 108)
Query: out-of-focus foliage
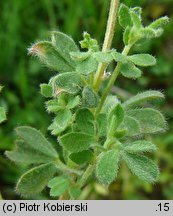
(22, 22)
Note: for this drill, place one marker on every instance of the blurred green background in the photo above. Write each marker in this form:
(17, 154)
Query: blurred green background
(22, 23)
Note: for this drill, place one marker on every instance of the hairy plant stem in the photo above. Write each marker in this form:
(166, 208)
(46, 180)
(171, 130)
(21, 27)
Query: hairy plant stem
(112, 80)
(107, 41)
(88, 172)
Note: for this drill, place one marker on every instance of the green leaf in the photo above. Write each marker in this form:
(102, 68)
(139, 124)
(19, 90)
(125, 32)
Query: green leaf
(85, 121)
(74, 192)
(50, 56)
(89, 43)
(126, 35)
(107, 167)
(150, 120)
(87, 66)
(124, 16)
(82, 157)
(136, 19)
(130, 71)
(118, 113)
(131, 125)
(140, 146)
(103, 57)
(149, 33)
(73, 102)
(143, 97)
(34, 139)
(142, 60)
(138, 11)
(89, 97)
(58, 185)
(102, 124)
(26, 155)
(64, 45)
(61, 122)
(159, 22)
(2, 114)
(69, 82)
(53, 106)
(80, 56)
(110, 102)
(36, 179)
(76, 142)
(120, 133)
(141, 166)
(118, 57)
(46, 90)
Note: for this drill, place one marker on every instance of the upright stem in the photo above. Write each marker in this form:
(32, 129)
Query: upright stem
(107, 41)
(112, 79)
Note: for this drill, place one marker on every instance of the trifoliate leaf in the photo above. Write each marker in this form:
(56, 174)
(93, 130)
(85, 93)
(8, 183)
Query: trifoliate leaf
(58, 185)
(141, 166)
(89, 97)
(2, 114)
(130, 71)
(69, 82)
(76, 142)
(85, 121)
(142, 60)
(35, 140)
(124, 16)
(61, 122)
(82, 157)
(50, 56)
(36, 179)
(87, 66)
(107, 167)
(64, 44)
(46, 90)
(142, 98)
(131, 125)
(26, 155)
(103, 57)
(150, 120)
(140, 146)
(89, 43)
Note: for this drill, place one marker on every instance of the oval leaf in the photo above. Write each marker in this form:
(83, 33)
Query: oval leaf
(49, 55)
(61, 122)
(76, 142)
(143, 97)
(140, 146)
(150, 120)
(85, 121)
(142, 167)
(36, 179)
(107, 167)
(142, 60)
(129, 70)
(35, 140)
